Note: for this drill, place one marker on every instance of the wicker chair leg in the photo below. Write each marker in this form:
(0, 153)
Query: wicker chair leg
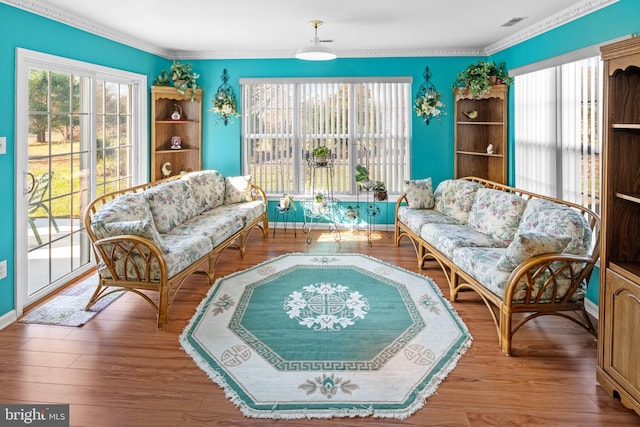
(396, 234)
(505, 330)
(453, 286)
(163, 305)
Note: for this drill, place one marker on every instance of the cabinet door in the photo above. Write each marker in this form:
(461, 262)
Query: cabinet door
(622, 331)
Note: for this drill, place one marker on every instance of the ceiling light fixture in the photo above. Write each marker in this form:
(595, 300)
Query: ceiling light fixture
(315, 52)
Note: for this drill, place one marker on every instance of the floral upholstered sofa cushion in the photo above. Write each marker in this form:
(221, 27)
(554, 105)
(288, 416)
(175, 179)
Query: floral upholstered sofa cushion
(446, 238)
(186, 218)
(497, 213)
(545, 216)
(208, 188)
(528, 245)
(416, 218)
(455, 198)
(128, 207)
(171, 203)
(545, 227)
(481, 263)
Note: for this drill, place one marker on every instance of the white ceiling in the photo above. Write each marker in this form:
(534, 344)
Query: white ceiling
(277, 28)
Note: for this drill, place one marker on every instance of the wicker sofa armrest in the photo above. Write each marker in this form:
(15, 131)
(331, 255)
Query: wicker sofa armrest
(530, 272)
(136, 252)
(258, 193)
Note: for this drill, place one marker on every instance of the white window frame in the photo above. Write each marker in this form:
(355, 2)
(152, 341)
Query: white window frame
(557, 164)
(391, 176)
(27, 59)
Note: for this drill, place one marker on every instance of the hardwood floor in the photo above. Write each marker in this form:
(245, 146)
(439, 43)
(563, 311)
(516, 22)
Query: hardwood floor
(119, 370)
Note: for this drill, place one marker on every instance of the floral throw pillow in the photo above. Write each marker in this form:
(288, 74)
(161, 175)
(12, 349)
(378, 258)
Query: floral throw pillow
(455, 197)
(238, 189)
(208, 188)
(419, 193)
(527, 245)
(497, 213)
(145, 228)
(171, 204)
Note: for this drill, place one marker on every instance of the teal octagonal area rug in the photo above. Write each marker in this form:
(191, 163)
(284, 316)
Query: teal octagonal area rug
(326, 335)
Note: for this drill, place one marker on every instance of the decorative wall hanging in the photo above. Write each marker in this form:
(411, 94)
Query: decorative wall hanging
(428, 105)
(224, 102)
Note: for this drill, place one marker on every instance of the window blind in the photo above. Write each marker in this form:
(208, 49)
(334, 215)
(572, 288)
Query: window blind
(557, 131)
(361, 122)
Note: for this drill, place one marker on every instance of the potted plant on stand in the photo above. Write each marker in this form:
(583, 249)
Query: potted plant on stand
(499, 71)
(362, 178)
(183, 79)
(287, 202)
(380, 191)
(320, 154)
(479, 77)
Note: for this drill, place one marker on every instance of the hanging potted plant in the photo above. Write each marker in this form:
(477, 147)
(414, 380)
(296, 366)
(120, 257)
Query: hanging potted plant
(224, 101)
(224, 104)
(429, 106)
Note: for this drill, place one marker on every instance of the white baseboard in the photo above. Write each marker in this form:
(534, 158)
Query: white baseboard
(591, 308)
(8, 319)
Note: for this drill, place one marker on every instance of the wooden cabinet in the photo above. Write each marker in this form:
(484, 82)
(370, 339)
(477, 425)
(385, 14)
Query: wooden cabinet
(619, 312)
(164, 129)
(480, 122)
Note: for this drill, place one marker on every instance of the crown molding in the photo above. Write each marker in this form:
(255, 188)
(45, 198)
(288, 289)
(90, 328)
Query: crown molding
(182, 55)
(89, 26)
(554, 21)
(567, 15)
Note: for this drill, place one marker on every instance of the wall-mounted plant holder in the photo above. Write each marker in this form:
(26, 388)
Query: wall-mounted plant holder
(224, 102)
(427, 103)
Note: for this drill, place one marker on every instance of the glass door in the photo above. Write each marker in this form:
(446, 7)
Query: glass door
(59, 173)
(79, 133)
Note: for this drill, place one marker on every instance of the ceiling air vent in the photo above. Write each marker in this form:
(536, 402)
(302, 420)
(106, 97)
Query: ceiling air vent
(513, 21)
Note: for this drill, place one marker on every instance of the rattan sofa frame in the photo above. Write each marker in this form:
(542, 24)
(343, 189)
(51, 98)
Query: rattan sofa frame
(503, 309)
(129, 247)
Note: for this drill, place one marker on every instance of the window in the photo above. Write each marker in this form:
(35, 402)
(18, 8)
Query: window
(363, 121)
(114, 142)
(557, 131)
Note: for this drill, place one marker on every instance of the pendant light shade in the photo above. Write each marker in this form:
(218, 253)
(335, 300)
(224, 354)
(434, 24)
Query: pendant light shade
(315, 52)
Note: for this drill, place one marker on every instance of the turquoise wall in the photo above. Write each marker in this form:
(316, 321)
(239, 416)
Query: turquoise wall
(26, 30)
(432, 152)
(432, 146)
(617, 20)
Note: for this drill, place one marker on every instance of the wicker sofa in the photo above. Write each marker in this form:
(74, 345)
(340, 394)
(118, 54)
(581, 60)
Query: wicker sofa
(153, 236)
(521, 252)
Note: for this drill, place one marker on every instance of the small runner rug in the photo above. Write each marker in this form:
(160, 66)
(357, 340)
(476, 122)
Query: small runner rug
(67, 308)
(325, 335)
